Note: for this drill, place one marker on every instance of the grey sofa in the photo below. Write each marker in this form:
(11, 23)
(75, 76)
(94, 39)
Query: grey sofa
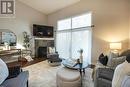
(104, 78)
(16, 78)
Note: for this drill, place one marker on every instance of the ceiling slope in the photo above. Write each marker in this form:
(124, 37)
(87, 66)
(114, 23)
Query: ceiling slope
(49, 6)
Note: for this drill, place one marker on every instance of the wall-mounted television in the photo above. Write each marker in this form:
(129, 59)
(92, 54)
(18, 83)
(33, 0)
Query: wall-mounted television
(42, 30)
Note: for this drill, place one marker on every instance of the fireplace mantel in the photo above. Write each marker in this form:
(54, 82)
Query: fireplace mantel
(37, 38)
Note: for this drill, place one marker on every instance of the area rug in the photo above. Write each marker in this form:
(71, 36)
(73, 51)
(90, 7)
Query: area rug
(44, 75)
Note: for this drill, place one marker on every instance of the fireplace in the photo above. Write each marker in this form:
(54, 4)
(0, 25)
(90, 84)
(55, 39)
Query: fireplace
(41, 47)
(42, 52)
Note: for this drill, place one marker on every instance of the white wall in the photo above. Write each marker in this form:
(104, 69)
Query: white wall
(110, 18)
(23, 21)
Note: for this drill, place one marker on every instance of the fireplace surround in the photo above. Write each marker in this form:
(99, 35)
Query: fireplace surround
(41, 47)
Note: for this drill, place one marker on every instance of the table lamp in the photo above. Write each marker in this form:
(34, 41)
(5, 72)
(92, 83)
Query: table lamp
(115, 47)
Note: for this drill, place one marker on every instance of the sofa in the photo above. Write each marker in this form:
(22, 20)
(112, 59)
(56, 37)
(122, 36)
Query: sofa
(104, 74)
(16, 78)
(104, 78)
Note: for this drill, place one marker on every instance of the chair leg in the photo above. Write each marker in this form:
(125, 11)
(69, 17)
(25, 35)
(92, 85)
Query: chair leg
(27, 84)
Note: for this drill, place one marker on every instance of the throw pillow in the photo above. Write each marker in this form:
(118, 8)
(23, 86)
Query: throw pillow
(51, 50)
(3, 71)
(101, 55)
(110, 57)
(103, 60)
(117, 61)
(28, 58)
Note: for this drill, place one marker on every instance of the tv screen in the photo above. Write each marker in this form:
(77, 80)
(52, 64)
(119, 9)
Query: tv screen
(42, 31)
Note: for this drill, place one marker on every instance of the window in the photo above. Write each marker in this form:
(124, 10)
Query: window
(72, 35)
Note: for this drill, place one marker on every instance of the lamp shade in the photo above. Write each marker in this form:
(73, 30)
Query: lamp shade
(115, 46)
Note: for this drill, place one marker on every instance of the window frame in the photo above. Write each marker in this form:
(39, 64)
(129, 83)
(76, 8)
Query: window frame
(76, 29)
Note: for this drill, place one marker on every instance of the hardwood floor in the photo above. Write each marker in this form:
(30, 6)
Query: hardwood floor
(25, 63)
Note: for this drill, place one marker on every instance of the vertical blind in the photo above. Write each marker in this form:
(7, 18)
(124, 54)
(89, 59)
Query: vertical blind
(72, 35)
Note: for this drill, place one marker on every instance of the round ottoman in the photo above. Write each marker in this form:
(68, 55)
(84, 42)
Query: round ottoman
(68, 78)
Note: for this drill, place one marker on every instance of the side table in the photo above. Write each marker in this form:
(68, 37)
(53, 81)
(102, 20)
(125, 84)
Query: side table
(14, 69)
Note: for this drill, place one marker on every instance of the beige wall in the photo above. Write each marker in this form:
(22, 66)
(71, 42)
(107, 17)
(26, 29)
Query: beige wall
(129, 24)
(25, 17)
(110, 18)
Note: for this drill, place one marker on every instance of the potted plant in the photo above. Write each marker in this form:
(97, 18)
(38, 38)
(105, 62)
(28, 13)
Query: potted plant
(27, 38)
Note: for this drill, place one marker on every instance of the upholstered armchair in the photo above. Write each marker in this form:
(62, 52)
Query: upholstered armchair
(16, 78)
(103, 77)
(53, 57)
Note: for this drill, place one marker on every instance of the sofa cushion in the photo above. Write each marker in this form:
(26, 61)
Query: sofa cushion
(117, 61)
(3, 71)
(101, 55)
(105, 73)
(110, 57)
(51, 50)
(103, 83)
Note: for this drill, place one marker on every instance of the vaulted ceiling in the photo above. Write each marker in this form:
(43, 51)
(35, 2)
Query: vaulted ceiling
(49, 6)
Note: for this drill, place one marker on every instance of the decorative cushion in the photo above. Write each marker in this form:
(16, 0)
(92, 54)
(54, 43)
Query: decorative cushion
(51, 50)
(28, 58)
(105, 73)
(3, 71)
(117, 61)
(103, 60)
(110, 57)
(101, 55)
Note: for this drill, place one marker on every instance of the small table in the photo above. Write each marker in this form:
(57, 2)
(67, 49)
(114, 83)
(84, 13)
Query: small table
(73, 65)
(10, 55)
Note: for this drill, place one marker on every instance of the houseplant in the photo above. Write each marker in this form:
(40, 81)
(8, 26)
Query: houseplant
(26, 41)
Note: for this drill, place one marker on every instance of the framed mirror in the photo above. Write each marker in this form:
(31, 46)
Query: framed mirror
(8, 37)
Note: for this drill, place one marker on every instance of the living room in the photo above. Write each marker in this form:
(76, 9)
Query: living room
(107, 21)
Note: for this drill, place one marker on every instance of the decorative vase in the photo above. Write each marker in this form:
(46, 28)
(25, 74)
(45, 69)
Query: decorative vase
(81, 55)
(81, 58)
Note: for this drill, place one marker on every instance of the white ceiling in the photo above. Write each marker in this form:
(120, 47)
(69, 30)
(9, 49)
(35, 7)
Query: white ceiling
(49, 6)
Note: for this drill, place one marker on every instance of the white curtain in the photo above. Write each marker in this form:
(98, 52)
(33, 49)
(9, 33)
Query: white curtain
(72, 35)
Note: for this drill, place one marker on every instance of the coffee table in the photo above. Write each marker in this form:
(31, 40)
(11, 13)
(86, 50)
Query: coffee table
(73, 65)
